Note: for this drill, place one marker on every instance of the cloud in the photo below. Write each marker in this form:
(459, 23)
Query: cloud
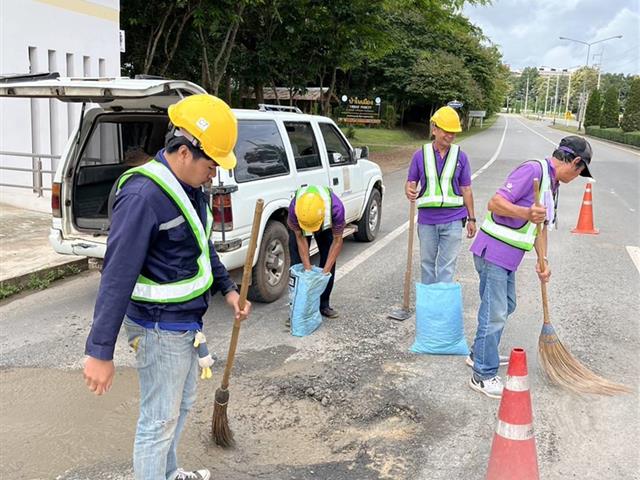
(527, 32)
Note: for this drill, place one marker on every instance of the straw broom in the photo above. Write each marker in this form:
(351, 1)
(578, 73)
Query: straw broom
(559, 365)
(220, 431)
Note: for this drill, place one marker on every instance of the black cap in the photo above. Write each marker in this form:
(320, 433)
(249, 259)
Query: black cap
(578, 147)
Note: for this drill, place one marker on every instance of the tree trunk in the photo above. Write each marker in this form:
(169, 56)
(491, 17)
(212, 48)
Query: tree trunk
(226, 49)
(186, 17)
(153, 41)
(258, 89)
(327, 101)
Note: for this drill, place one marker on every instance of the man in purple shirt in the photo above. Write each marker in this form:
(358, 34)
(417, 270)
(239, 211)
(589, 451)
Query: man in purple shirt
(506, 233)
(445, 199)
(317, 211)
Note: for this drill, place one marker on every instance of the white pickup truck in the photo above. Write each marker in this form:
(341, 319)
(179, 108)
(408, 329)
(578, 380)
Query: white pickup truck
(124, 122)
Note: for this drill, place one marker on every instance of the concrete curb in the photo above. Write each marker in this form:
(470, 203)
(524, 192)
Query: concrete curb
(44, 275)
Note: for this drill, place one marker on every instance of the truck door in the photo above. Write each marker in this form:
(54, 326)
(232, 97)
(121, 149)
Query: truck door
(343, 170)
(309, 167)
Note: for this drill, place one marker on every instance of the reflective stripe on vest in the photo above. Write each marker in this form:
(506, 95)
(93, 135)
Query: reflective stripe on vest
(435, 196)
(525, 236)
(325, 194)
(147, 290)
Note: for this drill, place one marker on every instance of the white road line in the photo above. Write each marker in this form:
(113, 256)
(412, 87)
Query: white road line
(591, 139)
(379, 245)
(497, 152)
(634, 253)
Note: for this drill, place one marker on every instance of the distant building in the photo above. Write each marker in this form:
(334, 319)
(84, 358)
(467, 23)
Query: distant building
(77, 38)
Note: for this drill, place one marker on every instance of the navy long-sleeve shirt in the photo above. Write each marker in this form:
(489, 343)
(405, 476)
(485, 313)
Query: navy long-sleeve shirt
(149, 235)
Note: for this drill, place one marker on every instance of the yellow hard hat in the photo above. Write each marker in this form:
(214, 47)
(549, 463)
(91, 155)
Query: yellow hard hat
(310, 211)
(211, 122)
(447, 119)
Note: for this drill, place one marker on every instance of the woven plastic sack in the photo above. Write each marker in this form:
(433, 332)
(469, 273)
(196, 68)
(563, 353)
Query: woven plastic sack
(439, 327)
(305, 288)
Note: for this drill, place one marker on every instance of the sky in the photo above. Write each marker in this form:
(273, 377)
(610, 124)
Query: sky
(527, 31)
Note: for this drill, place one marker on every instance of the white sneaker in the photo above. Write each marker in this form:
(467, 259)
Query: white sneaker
(504, 360)
(203, 474)
(491, 387)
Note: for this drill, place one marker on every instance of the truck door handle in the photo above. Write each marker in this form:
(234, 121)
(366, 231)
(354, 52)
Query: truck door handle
(336, 181)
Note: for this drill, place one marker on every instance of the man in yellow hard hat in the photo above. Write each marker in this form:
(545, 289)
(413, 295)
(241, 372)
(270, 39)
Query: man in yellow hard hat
(444, 198)
(316, 211)
(160, 269)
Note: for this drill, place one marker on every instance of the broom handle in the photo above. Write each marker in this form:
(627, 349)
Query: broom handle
(543, 285)
(244, 288)
(407, 273)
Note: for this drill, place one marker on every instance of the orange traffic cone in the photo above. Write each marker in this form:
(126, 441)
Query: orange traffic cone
(585, 219)
(513, 453)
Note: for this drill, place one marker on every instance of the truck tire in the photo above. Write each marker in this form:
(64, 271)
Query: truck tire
(270, 275)
(369, 224)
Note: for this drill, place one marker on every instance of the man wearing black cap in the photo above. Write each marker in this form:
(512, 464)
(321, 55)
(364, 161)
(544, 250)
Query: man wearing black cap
(508, 231)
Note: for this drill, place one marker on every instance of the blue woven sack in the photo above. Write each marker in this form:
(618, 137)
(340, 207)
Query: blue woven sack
(439, 327)
(305, 288)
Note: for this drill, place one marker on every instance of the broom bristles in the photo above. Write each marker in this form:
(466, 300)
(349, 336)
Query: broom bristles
(563, 369)
(220, 431)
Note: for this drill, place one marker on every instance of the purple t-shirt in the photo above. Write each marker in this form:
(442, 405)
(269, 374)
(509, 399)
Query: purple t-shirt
(461, 178)
(518, 189)
(337, 215)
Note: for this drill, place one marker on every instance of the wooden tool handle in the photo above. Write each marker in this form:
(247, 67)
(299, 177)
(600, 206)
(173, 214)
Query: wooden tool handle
(541, 265)
(407, 273)
(244, 288)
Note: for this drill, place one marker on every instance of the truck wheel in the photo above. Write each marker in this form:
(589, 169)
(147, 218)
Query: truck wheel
(270, 275)
(369, 224)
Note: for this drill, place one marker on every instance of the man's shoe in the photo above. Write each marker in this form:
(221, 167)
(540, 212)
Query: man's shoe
(203, 474)
(491, 387)
(504, 360)
(328, 312)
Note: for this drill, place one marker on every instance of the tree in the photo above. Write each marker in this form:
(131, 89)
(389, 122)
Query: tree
(594, 110)
(610, 109)
(631, 119)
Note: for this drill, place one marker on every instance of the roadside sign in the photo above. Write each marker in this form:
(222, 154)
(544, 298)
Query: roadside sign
(455, 104)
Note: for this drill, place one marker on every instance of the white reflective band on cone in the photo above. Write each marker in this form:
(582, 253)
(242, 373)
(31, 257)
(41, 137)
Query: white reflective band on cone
(517, 384)
(514, 432)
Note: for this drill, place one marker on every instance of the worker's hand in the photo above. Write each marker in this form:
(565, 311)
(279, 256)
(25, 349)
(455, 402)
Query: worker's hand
(98, 374)
(537, 214)
(306, 265)
(545, 274)
(471, 229)
(233, 300)
(411, 190)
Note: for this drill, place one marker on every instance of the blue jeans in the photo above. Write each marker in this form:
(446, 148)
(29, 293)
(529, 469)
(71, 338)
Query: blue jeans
(439, 247)
(497, 302)
(167, 365)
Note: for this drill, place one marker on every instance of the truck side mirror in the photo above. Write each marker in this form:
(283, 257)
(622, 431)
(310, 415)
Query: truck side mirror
(361, 152)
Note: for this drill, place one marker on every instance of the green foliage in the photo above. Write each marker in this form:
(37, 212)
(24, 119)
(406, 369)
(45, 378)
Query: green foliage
(631, 118)
(38, 280)
(389, 116)
(610, 109)
(594, 109)
(615, 135)
(350, 132)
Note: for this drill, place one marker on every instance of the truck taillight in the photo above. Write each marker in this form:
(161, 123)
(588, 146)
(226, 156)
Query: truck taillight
(222, 213)
(55, 200)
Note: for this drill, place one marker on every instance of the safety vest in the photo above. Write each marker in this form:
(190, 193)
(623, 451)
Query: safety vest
(147, 290)
(525, 236)
(325, 194)
(439, 191)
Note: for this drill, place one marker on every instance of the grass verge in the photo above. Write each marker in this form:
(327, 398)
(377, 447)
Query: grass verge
(41, 279)
(380, 140)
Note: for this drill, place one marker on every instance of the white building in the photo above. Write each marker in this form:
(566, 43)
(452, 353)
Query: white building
(76, 38)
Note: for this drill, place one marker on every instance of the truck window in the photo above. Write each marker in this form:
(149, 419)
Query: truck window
(304, 146)
(259, 150)
(335, 145)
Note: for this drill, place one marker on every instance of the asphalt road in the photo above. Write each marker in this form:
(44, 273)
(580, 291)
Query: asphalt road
(350, 401)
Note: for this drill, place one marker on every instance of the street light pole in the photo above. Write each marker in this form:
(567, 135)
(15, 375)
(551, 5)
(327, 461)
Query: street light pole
(583, 105)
